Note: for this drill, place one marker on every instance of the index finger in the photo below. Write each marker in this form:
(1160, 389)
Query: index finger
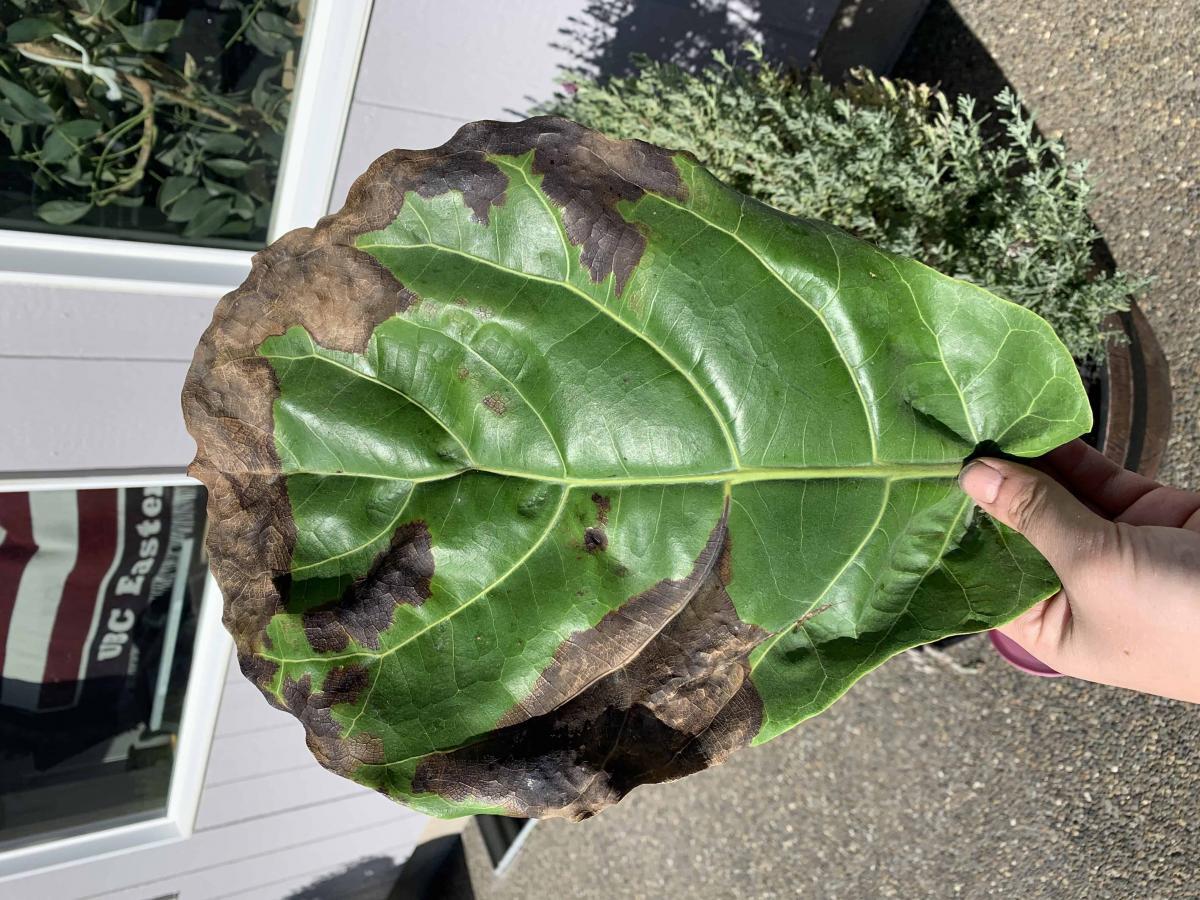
(1096, 479)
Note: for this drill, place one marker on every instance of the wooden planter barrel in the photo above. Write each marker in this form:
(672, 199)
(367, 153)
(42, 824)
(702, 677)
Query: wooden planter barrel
(1133, 406)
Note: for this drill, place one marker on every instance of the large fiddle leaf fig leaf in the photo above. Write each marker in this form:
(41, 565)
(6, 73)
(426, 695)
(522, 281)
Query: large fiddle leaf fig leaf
(551, 466)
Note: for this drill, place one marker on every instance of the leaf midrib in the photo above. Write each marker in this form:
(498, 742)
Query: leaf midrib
(732, 476)
(890, 471)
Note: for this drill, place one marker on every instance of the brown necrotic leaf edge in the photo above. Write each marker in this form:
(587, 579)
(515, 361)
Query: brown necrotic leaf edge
(675, 695)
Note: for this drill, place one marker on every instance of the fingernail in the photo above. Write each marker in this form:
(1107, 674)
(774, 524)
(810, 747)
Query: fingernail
(980, 482)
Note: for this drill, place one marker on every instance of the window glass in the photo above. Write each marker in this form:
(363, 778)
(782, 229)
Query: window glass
(156, 120)
(99, 595)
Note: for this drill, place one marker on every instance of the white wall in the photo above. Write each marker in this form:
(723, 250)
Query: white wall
(91, 379)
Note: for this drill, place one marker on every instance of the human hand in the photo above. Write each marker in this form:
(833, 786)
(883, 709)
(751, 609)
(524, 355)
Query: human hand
(1127, 551)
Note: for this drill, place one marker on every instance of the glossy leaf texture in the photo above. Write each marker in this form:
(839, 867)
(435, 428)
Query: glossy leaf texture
(551, 466)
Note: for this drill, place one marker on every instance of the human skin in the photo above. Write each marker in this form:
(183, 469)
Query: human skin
(1127, 551)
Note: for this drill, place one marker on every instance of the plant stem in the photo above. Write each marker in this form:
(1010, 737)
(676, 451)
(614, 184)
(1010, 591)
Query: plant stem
(147, 139)
(134, 178)
(183, 100)
(245, 24)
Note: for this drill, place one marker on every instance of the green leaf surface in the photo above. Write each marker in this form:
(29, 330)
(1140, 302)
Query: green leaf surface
(32, 109)
(231, 168)
(185, 208)
(149, 36)
(173, 188)
(31, 29)
(209, 218)
(222, 142)
(58, 147)
(80, 129)
(269, 42)
(105, 8)
(552, 466)
(63, 212)
(275, 23)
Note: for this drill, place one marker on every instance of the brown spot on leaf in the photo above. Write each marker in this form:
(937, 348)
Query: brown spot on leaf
(401, 574)
(658, 689)
(261, 673)
(595, 540)
(338, 753)
(811, 614)
(603, 505)
(496, 403)
(310, 277)
(463, 373)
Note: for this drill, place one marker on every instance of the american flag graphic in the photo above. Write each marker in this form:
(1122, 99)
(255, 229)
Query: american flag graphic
(77, 570)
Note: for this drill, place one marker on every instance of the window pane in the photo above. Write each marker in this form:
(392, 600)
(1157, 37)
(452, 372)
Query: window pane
(173, 131)
(99, 594)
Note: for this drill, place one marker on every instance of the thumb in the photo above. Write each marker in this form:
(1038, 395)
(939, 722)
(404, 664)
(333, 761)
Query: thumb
(1062, 529)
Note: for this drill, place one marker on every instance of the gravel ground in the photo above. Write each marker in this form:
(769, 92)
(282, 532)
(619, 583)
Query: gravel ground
(971, 780)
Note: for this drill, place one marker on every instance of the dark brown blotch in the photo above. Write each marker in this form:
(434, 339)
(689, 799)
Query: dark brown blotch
(401, 574)
(260, 671)
(335, 751)
(659, 689)
(595, 540)
(583, 172)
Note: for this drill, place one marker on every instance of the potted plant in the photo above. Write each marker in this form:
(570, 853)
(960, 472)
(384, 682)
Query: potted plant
(982, 197)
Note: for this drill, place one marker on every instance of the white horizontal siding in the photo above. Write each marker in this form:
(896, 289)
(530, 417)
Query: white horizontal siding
(374, 130)
(236, 758)
(71, 414)
(93, 378)
(472, 59)
(292, 791)
(274, 876)
(478, 59)
(37, 320)
(244, 710)
(241, 855)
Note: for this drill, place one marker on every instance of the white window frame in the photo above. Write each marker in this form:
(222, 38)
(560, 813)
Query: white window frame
(328, 66)
(335, 33)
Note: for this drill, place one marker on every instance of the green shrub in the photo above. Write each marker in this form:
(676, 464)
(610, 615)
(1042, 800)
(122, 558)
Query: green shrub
(893, 162)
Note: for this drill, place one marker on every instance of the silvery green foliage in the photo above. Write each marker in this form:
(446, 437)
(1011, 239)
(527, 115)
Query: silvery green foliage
(894, 163)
